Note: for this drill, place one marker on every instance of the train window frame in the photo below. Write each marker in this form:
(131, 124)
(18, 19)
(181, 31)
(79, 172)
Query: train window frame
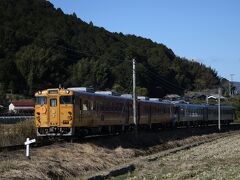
(40, 100)
(51, 102)
(66, 102)
(85, 105)
(92, 105)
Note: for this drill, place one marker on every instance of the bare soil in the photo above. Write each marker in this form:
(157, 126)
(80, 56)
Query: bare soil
(86, 157)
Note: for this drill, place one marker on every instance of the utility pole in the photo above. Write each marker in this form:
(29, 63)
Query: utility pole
(134, 95)
(206, 97)
(219, 109)
(230, 85)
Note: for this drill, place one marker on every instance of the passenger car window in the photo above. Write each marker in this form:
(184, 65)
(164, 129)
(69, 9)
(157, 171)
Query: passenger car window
(53, 102)
(85, 105)
(93, 105)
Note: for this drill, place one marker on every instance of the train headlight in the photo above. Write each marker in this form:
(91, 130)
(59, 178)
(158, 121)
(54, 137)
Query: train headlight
(39, 92)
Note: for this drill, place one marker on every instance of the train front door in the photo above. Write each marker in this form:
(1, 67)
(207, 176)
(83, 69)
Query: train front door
(53, 111)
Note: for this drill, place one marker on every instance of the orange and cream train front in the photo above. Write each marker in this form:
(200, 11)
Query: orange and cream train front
(54, 112)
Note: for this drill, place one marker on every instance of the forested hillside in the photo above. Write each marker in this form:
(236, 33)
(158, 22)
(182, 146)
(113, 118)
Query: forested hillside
(41, 47)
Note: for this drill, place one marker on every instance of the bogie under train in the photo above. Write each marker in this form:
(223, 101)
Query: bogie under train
(80, 111)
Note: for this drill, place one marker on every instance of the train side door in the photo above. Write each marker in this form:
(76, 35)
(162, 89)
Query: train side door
(53, 111)
(86, 118)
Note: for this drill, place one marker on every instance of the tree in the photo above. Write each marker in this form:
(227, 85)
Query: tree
(91, 23)
(141, 91)
(62, 49)
(103, 76)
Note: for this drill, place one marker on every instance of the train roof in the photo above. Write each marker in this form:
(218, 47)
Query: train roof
(189, 105)
(222, 105)
(108, 95)
(100, 94)
(128, 97)
(204, 106)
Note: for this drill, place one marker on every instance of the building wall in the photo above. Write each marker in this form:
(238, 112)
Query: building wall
(11, 107)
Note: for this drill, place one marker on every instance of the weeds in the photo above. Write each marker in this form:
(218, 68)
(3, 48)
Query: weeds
(15, 134)
(8, 165)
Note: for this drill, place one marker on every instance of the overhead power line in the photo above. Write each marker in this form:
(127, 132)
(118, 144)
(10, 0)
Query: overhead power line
(163, 81)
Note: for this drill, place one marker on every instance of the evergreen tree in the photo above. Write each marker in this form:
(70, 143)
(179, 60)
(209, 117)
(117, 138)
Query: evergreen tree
(41, 47)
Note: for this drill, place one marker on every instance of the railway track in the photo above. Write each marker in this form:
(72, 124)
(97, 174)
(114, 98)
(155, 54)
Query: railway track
(209, 129)
(22, 146)
(14, 119)
(51, 141)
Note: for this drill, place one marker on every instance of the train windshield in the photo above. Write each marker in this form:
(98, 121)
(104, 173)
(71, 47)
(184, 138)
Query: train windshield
(40, 100)
(66, 100)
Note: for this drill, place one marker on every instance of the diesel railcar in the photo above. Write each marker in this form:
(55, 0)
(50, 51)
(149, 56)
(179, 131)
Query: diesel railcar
(80, 111)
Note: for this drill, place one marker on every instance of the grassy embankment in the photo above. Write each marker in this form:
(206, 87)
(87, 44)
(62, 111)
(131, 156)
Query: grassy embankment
(16, 134)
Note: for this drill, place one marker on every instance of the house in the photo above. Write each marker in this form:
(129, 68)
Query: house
(172, 97)
(23, 107)
(215, 97)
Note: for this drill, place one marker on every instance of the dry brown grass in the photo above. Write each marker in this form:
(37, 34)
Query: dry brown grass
(219, 159)
(16, 134)
(91, 156)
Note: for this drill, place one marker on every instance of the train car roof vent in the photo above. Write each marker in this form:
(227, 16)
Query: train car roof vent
(126, 95)
(81, 89)
(155, 99)
(110, 93)
(142, 98)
